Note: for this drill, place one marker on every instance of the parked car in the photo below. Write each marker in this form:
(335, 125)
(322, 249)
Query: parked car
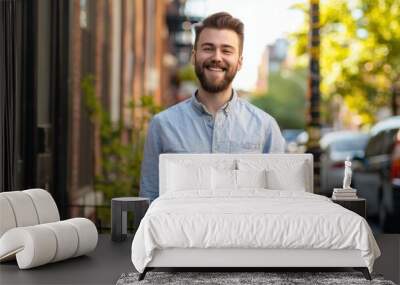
(390, 216)
(296, 140)
(336, 148)
(376, 174)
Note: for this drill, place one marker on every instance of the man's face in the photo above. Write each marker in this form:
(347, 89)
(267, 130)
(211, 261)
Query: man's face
(216, 59)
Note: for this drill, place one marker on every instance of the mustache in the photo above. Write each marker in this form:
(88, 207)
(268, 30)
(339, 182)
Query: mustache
(215, 64)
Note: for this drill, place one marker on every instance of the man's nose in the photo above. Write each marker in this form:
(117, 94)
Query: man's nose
(217, 55)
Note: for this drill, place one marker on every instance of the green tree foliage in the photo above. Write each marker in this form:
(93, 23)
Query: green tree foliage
(120, 160)
(187, 73)
(360, 52)
(285, 99)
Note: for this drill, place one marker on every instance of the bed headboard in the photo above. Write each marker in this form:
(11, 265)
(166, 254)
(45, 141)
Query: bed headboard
(290, 169)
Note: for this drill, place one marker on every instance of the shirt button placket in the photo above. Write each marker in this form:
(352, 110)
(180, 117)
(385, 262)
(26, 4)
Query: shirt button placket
(217, 132)
(214, 147)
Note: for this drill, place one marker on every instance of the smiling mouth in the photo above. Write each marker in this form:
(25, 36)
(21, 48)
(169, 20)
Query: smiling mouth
(215, 69)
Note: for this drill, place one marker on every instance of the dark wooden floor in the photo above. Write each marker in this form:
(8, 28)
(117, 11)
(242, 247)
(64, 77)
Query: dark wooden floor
(110, 260)
(389, 262)
(103, 266)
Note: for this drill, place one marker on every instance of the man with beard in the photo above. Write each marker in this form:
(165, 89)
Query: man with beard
(214, 119)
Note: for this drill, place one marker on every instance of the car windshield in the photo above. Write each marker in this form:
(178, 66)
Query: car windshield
(291, 135)
(349, 145)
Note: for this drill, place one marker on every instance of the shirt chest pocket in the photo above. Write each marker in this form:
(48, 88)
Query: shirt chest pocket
(245, 147)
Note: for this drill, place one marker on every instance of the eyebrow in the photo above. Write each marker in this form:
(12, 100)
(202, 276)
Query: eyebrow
(224, 45)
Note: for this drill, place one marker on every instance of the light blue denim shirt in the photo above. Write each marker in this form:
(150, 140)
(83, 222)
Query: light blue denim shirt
(187, 127)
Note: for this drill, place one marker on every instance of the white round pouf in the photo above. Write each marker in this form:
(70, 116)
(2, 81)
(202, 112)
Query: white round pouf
(67, 240)
(45, 206)
(33, 246)
(23, 208)
(7, 218)
(31, 232)
(87, 234)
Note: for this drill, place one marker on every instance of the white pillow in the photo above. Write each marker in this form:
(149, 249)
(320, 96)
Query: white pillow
(182, 177)
(229, 179)
(251, 178)
(224, 179)
(282, 174)
(293, 181)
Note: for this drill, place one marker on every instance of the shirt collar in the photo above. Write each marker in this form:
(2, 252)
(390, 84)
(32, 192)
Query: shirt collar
(228, 107)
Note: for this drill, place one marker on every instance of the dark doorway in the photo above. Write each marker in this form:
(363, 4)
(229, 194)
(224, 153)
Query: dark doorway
(34, 107)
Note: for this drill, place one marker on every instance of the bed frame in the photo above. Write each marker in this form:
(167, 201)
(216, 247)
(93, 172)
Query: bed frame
(242, 259)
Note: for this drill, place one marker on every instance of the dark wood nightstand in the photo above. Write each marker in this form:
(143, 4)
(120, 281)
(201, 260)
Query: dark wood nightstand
(358, 205)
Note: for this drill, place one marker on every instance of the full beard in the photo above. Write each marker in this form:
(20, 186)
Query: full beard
(219, 86)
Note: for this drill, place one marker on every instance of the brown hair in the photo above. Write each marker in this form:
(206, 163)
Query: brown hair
(220, 21)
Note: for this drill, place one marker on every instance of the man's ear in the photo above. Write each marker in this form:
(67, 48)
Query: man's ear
(240, 62)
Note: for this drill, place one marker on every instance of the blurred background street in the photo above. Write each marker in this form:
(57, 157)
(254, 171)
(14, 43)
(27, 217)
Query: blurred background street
(80, 80)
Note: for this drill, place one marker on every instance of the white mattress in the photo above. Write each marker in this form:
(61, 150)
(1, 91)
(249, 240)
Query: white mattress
(252, 218)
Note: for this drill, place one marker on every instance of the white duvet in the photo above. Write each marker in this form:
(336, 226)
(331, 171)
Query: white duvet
(252, 218)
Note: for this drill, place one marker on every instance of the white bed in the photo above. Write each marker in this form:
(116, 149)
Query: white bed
(247, 210)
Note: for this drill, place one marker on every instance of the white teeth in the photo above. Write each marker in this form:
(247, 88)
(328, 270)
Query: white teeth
(215, 69)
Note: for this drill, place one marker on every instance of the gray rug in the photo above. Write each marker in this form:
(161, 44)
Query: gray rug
(229, 278)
